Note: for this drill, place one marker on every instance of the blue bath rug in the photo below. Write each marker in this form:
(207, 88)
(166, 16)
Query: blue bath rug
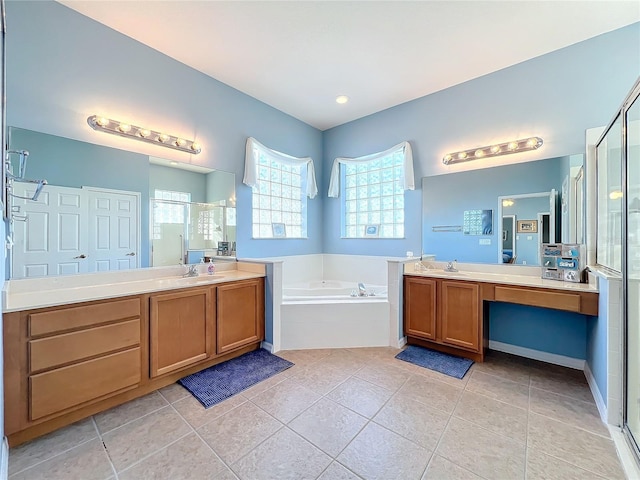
(438, 361)
(217, 383)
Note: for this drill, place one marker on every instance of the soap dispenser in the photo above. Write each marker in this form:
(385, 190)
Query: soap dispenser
(211, 269)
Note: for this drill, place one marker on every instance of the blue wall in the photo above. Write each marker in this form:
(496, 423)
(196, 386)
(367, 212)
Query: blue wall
(176, 180)
(446, 197)
(552, 331)
(597, 339)
(63, 67)
(76, 164)
(556, 96)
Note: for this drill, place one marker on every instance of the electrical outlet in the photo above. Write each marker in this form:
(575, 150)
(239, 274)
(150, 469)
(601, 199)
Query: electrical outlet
(529, 237)
(485, 241)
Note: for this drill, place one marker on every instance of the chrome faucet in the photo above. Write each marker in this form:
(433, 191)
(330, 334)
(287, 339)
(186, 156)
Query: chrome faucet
(451, 266)
(192, 271)
(362, 292)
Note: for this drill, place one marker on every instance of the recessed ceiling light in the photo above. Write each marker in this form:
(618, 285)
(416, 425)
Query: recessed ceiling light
(342, 99)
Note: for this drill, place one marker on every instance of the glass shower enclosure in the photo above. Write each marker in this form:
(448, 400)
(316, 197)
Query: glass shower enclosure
(620, 146)
(180, 228)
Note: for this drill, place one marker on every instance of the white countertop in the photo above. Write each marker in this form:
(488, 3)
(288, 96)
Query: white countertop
(27, 294)
(503, 274)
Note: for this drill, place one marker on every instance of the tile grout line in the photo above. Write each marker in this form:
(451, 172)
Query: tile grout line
(51, 457)
(151, 454)
(194, 430)
(135, 419)
(203, 440)
(444, 431)
(104, 446)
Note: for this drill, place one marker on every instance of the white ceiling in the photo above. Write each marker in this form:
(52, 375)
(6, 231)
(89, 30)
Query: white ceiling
(297, 56)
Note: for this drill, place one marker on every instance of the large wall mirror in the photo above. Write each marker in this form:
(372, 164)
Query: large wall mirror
(109, 209)
(531, 203)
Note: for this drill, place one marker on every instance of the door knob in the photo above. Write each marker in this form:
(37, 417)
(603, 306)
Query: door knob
(131, 254)
(81, 256)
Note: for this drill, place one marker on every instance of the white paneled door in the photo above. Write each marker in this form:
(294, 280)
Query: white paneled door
(73, 230)
(113, 229)
(49, 240)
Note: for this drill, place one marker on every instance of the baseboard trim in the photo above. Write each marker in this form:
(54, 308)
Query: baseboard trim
(554, 358)
(4, 459)
(267, 346)
(595, 391)
(402, 342)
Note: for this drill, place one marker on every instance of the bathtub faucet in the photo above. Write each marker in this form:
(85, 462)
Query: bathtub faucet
(362, 292)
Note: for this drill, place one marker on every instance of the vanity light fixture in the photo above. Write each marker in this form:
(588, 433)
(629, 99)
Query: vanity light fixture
(506, 148)
(122, 129)
(507, 203)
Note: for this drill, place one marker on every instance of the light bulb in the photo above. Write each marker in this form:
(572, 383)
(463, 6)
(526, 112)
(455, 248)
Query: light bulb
(124, 127)
(341, 99)
(163, 138)
(507, 203)
(615, 195)
(532, 142)
(479, 153)
(195, 146)
(447, 157)
(495, 149)
(180, 142)
(144, 133)
(102, 121)
(512, 145)
(462, 155)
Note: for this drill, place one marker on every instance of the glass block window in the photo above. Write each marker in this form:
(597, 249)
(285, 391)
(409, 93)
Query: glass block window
(374, 197)
(279, 199)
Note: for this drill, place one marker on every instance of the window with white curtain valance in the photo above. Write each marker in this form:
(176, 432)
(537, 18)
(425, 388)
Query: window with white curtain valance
(280, 185)
(373, 192)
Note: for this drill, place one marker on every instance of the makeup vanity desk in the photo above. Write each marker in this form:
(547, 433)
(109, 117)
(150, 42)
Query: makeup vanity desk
(449, 311)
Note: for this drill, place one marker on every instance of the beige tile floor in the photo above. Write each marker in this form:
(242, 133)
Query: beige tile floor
(346, 414)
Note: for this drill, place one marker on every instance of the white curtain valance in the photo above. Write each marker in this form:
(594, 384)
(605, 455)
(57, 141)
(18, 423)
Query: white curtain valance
(251, 165)
(407, 179)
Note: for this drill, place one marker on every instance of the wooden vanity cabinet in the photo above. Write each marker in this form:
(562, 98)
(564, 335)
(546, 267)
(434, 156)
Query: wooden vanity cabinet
(182, 329)
(240, 314)
(445, 313)
(61, 358)
(65, 363)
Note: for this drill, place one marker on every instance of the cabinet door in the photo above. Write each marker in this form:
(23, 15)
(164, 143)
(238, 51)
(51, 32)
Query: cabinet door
(182, 326)
(460, 314)
(420, 307)
(240, 314)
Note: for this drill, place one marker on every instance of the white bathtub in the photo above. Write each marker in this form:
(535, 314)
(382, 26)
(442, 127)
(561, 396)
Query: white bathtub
(316, 290)
(323, 314)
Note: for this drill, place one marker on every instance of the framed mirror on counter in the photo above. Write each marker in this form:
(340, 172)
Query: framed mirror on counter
(529, 207)
(109, 209)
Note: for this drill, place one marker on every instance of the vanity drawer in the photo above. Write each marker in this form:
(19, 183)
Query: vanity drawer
(71, 347)
(66, 387)
(539, 298)
(85, 316)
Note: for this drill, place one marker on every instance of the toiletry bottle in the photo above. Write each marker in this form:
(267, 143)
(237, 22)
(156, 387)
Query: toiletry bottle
(201, 268)
(211, 269)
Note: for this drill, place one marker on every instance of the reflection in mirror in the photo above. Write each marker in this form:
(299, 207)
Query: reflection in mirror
(534, 218)
(445, 198)
(95, 213)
